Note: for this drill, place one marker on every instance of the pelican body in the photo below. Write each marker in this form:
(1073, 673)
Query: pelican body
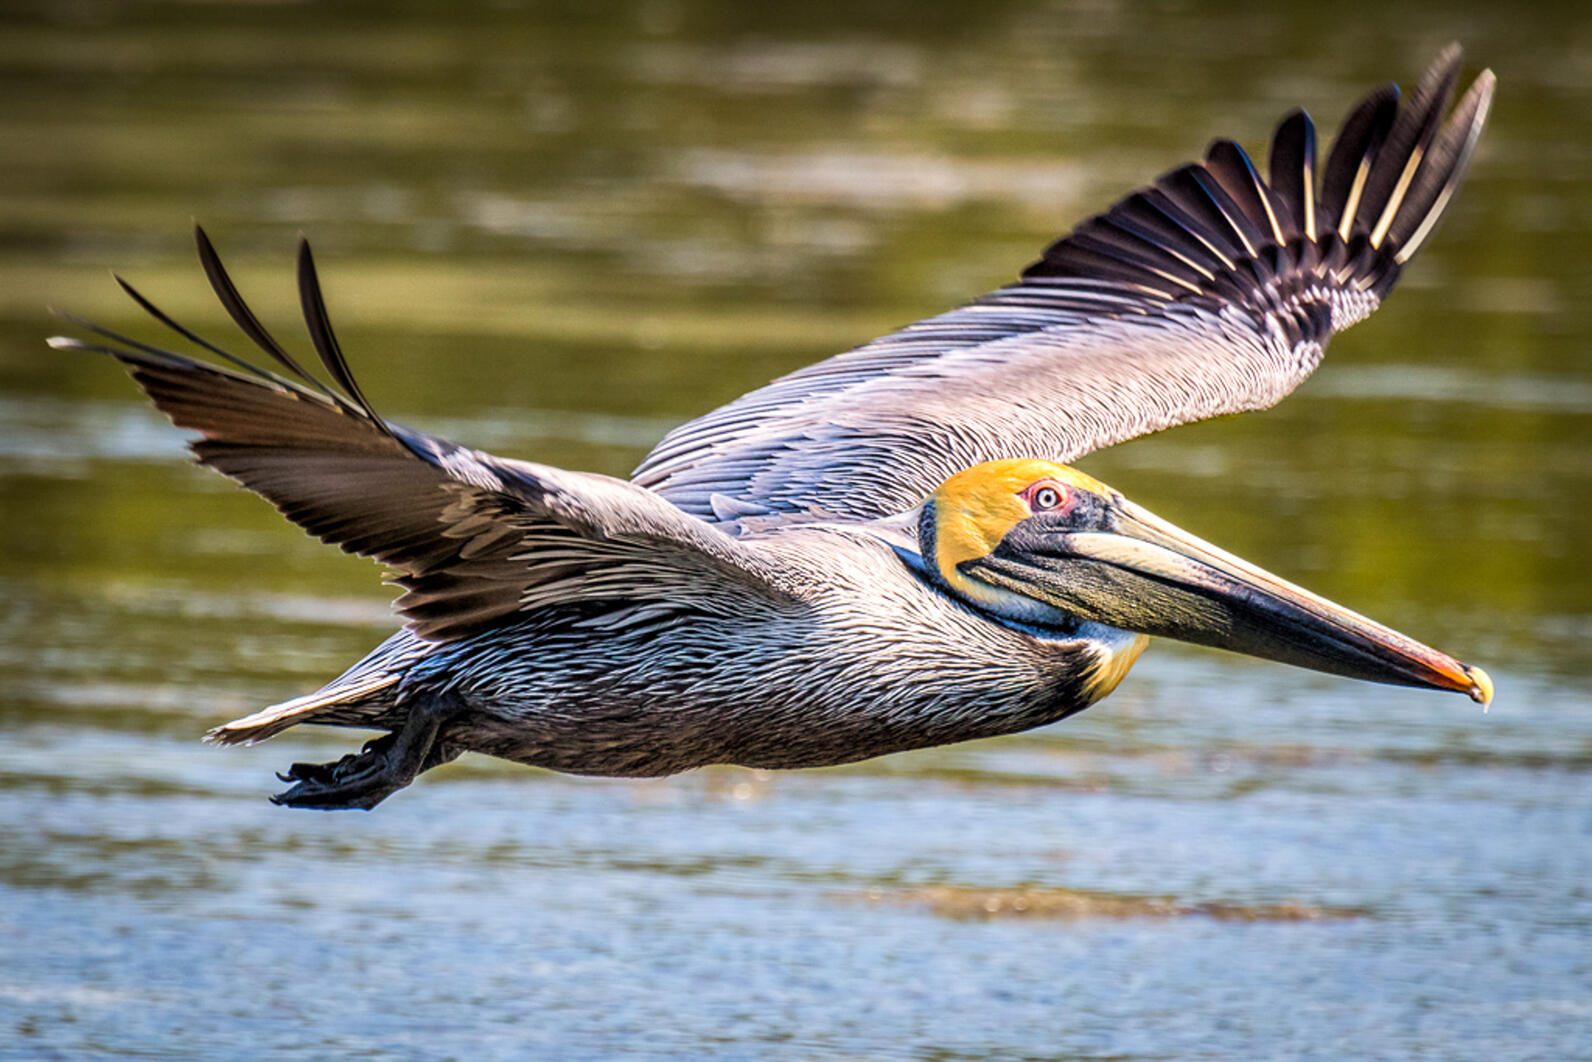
(884, 551)
(806, 679)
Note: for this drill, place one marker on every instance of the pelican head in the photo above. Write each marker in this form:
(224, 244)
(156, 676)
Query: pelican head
(1045, 545)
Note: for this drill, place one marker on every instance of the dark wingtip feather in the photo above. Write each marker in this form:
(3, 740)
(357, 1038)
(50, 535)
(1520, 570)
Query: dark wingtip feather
(1413, 131)
(188, 334)
(1353, 154)
(1222, 222)
(1230, 165)
(1446, 162)
(1218, 231)
(1446, 61)
(321, 334)
(221, 283)
(129, 351)
(1293, 171)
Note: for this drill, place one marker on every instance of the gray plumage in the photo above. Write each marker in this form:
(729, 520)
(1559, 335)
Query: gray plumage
(753, 596)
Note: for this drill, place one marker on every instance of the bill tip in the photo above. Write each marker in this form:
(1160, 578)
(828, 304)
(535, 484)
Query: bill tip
(1481, 686)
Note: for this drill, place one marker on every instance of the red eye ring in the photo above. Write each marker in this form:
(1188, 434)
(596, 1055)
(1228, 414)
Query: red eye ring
(1046, 496)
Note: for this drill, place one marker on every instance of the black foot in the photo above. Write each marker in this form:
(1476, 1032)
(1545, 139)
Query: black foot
(328, 774)
(365, 778)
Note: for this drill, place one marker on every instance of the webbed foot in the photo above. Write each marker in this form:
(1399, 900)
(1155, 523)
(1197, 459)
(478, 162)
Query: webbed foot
(380, 768)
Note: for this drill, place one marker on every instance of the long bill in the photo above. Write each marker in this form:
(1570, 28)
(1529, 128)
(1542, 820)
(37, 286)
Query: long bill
(1141, 573)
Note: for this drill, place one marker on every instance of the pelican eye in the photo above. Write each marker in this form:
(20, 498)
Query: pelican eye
(1046, 496)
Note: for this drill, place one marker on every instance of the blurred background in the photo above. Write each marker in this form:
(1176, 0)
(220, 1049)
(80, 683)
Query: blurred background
(556, 230)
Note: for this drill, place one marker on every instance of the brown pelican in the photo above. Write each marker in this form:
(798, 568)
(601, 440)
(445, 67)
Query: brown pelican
(882, 551)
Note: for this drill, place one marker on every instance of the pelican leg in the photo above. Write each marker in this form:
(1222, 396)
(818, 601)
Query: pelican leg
(383, 766)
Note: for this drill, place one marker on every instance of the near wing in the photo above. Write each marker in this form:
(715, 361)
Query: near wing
(471, 537)
(1212, 291)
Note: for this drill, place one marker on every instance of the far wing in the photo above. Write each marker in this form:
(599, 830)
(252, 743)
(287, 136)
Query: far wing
(471, 537)
(1212, 291)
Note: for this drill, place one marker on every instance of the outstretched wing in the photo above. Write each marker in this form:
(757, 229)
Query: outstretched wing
(1212, 291)
(471, 537)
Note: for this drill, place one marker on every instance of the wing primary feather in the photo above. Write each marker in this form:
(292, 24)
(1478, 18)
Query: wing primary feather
(1148, 222)
(188, 334)
(1445, 166)
(221, 283)
(163, 357)
(1246, 228)
(320, 329)
(1110, 237)
(1353, 154)
(1396, 196)
(1219, 219)
(1293, 171)
(1105, 262)
(1177, 212)
(1232, 168)
(1418, 122)
(1151, 216)
(136, 353)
